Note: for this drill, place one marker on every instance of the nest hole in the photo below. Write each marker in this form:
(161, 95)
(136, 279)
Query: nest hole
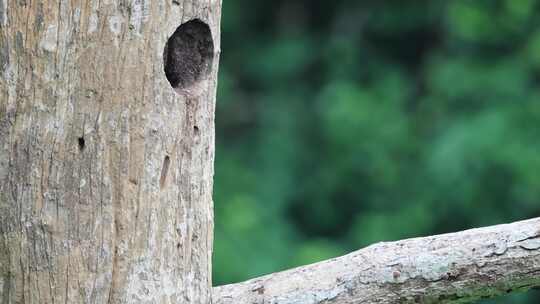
(188, 55)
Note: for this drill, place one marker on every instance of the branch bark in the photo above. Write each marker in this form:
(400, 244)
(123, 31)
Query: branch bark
(450, 268)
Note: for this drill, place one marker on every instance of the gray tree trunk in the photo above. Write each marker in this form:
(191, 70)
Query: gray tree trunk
(106, 165)
(105, 170)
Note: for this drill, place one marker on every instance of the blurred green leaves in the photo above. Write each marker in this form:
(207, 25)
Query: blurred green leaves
(341, 124)
(489, 22)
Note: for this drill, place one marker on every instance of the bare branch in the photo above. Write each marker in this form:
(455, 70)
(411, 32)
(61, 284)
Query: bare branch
(450, 268)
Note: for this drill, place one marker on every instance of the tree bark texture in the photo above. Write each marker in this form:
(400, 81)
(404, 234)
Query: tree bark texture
(451, 268)
(105, 169)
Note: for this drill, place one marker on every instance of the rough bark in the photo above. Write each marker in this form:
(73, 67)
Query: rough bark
(106, 175)
(450, 268)
(106, 171)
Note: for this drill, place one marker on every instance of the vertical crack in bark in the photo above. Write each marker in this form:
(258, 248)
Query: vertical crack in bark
(116, 217)
(114, 265)
(164, 171)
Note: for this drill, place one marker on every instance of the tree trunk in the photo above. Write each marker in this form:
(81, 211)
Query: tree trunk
(106, 165)
(105, 169)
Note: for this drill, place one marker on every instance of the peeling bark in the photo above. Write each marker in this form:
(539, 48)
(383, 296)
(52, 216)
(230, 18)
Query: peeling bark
(451, 268)
(105, 169)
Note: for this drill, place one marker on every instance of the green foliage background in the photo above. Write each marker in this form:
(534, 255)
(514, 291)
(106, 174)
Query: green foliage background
(344, 123)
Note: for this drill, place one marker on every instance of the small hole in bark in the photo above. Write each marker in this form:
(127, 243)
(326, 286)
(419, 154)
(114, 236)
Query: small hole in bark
(81, 142)
(188, 56)
(196, 129)
(164, 170)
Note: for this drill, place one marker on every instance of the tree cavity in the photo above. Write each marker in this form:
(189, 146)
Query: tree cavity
(188, 56)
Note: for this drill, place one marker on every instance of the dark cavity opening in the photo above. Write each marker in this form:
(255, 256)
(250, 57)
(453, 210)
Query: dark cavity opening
(188, 54)
(81, 142)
